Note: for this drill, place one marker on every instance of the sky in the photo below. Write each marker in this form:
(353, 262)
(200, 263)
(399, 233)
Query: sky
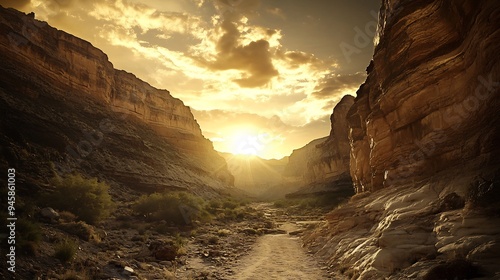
(261, 76)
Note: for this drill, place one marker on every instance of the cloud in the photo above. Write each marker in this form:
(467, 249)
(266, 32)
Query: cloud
(134, 15)
(337, 85)
(254, 58)
(241, 7)
(16, 4)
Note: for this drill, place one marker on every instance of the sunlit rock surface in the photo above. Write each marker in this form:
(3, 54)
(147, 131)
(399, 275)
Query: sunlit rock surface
(430, 102)
(65, 105)
(406, 233)
(323, 164)
(424, 130)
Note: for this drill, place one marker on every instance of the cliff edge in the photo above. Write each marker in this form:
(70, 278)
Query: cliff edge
(323, 165)
(65, 107)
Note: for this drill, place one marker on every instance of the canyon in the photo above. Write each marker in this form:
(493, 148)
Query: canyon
(65, 107)
(415, 150)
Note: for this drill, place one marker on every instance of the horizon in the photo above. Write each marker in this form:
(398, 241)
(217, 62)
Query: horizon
(261, 78)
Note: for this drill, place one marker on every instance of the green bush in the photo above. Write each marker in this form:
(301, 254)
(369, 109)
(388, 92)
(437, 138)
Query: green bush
(65, 251)
(88, 199)
(175, 207)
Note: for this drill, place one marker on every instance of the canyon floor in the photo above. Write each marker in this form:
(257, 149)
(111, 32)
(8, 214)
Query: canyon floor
(264, 244)
(279, 254)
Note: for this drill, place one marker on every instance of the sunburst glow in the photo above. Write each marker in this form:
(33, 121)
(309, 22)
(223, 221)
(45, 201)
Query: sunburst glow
(245, 142)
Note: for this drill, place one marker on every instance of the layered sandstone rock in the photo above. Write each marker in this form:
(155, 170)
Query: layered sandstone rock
(70, 90)
(430, 102)
(70, 62)
(323, 164)
(424, 129)
(411, 232)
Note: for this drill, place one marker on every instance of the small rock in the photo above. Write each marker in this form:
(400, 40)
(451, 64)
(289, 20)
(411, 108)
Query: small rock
(166, 263)
(250, 231)
(128, 271)
(49, 214)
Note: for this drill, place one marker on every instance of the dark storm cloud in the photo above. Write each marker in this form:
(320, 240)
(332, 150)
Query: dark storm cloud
(334, 85)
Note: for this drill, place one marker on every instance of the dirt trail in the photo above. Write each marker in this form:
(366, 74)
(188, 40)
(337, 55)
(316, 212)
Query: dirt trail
(279, 256)
(276, 255)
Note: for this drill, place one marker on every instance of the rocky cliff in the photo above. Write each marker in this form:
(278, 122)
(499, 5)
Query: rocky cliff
(430, 102)
(323, 164)
(424, 161)
(64, 105)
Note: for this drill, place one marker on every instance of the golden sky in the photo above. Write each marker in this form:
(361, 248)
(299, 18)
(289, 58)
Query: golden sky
(261, 76)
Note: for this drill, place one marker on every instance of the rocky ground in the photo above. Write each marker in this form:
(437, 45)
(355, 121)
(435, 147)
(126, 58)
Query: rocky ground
(273, 252)
(264, 245)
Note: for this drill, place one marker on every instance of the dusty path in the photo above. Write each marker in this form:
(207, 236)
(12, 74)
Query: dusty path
(279, 256)
(276, 255)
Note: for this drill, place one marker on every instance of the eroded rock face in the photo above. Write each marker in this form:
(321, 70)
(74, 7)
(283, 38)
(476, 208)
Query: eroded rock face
(66, 61)
(323, 164)
(404, 233)
(430, 102)
(73, 104)
(423, 128)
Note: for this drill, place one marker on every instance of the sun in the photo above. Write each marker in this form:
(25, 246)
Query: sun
(244, 142)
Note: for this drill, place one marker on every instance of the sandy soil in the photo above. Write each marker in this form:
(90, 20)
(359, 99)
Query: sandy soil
(279, 256)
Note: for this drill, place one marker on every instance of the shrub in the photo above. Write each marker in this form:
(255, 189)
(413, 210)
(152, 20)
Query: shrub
(175, 207)
(65, 251)
(28, 237)
(67, 216)
(81, 230)
(230, 204)
(180, 241)
(86, 198)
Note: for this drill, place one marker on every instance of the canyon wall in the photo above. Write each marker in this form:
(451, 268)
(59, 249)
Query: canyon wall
(430, 102)
(67, 61)
(323, 164)
(425, 159)
(84, 107)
